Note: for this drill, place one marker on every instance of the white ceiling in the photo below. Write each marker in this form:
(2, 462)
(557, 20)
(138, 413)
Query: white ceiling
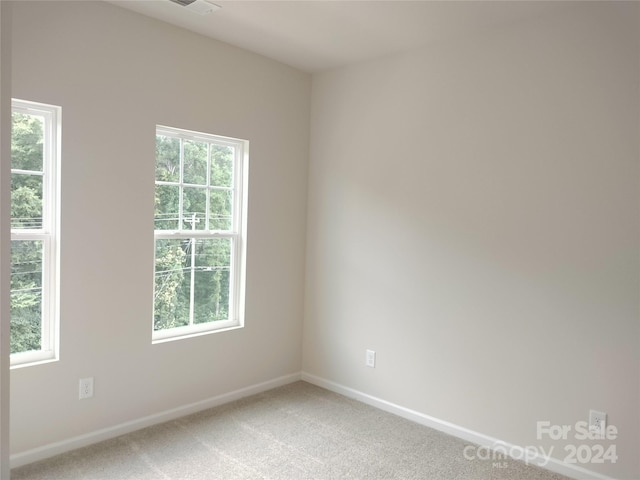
(319, 35)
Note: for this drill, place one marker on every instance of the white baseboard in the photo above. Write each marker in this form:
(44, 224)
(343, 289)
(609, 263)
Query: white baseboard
(49, 450)
(552, 464)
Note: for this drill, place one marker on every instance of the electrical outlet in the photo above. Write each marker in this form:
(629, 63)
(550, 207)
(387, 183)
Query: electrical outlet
(597, 421)
(86, 388)
(371, 359)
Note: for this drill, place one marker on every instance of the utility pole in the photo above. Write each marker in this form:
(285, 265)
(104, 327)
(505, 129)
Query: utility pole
(193, 222)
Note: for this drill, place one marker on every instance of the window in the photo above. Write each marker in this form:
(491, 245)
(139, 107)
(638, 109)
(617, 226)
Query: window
(35, 154)
(199, 228)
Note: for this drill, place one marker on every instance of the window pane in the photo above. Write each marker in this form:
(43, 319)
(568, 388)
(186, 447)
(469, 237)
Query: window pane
(26, 141)
(178, 266)
(167, 159)
(211, 279)
(26, 201)
(194, 208)
(220, 204)
(222, 165)
(195, 162)
(167, 207)
(171, 295)
(26, 295)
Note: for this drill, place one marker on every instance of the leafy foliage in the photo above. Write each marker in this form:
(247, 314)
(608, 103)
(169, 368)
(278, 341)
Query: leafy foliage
(26, 213)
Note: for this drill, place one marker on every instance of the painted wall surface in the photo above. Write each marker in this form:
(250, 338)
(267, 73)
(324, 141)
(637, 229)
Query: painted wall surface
(473, 217)
(5, 236)
(117, 75)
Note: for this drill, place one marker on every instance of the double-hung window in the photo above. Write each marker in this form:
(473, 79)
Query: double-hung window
(35, 155)
(199, 233)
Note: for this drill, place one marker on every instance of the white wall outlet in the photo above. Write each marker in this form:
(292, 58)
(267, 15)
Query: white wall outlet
(370, 359)
(86, 388)
(597, 421)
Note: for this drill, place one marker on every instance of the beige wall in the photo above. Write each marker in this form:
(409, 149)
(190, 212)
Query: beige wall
(5, 237)
(116, 75)
(474, 218)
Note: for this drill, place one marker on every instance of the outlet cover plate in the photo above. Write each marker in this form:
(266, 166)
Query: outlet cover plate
(86, 388)
(597, 421)
(371, 359)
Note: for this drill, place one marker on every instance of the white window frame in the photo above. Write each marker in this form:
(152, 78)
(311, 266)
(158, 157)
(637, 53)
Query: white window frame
(236, 235)
(48, 234)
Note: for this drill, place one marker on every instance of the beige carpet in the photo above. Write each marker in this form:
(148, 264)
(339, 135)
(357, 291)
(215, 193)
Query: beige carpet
(298, 431)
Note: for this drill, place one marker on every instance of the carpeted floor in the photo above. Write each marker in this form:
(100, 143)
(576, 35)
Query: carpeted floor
(298, 431)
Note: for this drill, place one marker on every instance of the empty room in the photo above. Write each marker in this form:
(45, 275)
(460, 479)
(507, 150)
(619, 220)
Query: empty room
(319, 240)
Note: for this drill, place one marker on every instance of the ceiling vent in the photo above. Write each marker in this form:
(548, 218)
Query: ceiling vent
(201, 7)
